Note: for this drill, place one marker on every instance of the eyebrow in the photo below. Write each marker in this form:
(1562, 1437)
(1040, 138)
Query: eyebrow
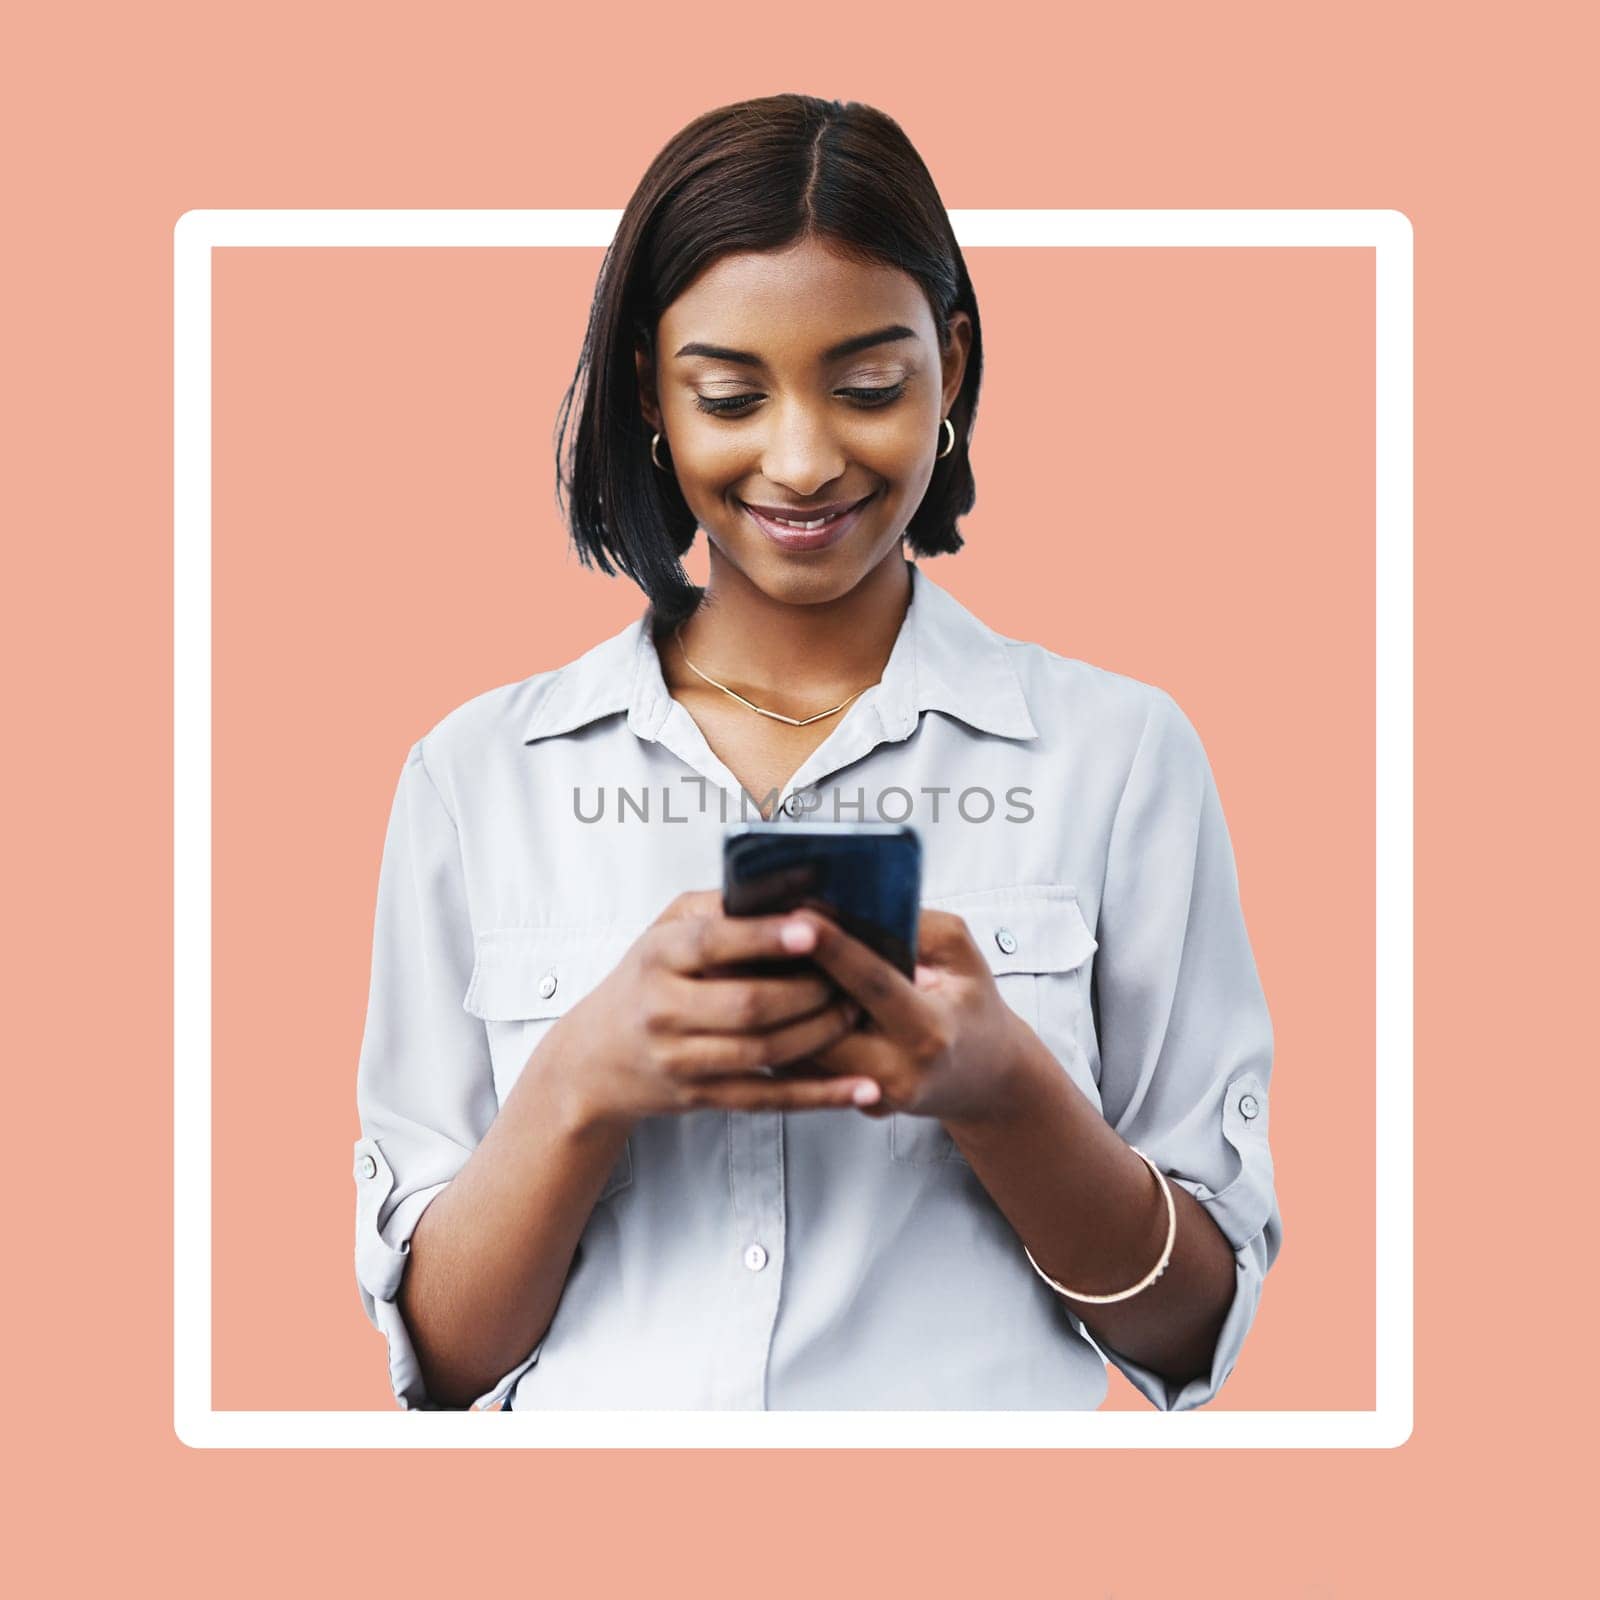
(846, 347)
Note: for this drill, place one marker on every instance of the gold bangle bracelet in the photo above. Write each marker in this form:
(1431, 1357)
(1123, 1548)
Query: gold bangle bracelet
(1151, 1276)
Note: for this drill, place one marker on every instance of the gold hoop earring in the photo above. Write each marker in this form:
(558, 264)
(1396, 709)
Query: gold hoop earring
(951, 446)
(655, 439)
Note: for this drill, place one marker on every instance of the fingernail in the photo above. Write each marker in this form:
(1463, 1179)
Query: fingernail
(798, 936)
(865, 1093)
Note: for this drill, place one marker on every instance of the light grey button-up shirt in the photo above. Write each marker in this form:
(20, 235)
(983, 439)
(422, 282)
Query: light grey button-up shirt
(818, 1259)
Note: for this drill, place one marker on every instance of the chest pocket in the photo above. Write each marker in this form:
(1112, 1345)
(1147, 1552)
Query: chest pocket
(524, 980)
(1038, 946)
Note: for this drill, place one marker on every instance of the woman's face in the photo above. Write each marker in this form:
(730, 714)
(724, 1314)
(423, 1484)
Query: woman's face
(758, 407)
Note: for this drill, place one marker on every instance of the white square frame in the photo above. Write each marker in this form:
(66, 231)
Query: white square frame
(197, 1424)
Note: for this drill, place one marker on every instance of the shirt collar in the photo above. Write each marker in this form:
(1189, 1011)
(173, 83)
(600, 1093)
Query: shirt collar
(944, 659)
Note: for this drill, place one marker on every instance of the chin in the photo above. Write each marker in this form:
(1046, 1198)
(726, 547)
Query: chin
(806, 585)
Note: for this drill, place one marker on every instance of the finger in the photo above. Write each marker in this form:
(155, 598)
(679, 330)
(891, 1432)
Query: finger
(747, 1004)
(793, 1094)
(692, 903)
(940, 935)
(855, 1054)
(886, 994)
(692, 944)
(875, 1108)
(718, 1055)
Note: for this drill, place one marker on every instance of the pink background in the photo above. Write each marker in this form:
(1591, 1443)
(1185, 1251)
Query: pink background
(1182, 439)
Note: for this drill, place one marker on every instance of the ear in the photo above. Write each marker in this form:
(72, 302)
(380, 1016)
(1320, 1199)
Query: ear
(645, 370)
(955, 358)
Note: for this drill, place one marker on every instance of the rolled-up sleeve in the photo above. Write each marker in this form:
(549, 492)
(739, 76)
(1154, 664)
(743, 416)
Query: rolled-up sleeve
(424, 1084)
(1185, 1037)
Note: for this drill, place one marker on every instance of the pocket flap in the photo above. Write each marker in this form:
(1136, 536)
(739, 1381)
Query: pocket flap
(524, 973)
(1026, 928)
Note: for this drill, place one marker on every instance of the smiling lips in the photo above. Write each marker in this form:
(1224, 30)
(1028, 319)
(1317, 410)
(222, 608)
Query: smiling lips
(814, 528)
(805, 513)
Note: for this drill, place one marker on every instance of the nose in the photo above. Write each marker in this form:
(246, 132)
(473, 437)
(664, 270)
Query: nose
(800, 452)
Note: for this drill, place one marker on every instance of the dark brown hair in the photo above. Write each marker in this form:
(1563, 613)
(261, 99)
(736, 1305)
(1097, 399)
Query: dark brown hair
(758, 175)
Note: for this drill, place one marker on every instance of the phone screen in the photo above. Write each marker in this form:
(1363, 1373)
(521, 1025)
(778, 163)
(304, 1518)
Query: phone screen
(867, 877)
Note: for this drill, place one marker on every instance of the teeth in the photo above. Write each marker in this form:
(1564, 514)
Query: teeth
(807, 527)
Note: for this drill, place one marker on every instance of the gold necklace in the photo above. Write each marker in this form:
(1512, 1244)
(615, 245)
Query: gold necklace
(777, 716)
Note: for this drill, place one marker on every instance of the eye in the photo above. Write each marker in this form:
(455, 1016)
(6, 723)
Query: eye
(876, 397)
(736, 406)
(740, 405)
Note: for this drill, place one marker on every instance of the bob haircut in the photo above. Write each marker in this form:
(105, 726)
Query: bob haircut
(758, 175)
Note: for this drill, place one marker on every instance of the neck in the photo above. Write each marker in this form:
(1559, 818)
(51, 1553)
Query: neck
(788, 656)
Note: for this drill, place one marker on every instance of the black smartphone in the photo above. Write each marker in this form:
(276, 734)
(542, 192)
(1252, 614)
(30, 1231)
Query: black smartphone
(866, 876)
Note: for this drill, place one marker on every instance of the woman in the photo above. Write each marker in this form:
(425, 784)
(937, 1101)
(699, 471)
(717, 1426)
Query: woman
(579, 1183)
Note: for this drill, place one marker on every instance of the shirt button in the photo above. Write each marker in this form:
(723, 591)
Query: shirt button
(755, 1258)
(793, 806)
(547, 985)
(369, 1167)
(1249, 1105)
(1006, 939)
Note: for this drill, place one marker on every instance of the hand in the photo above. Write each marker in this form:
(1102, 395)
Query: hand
(675, 1028)
(940, 1046)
